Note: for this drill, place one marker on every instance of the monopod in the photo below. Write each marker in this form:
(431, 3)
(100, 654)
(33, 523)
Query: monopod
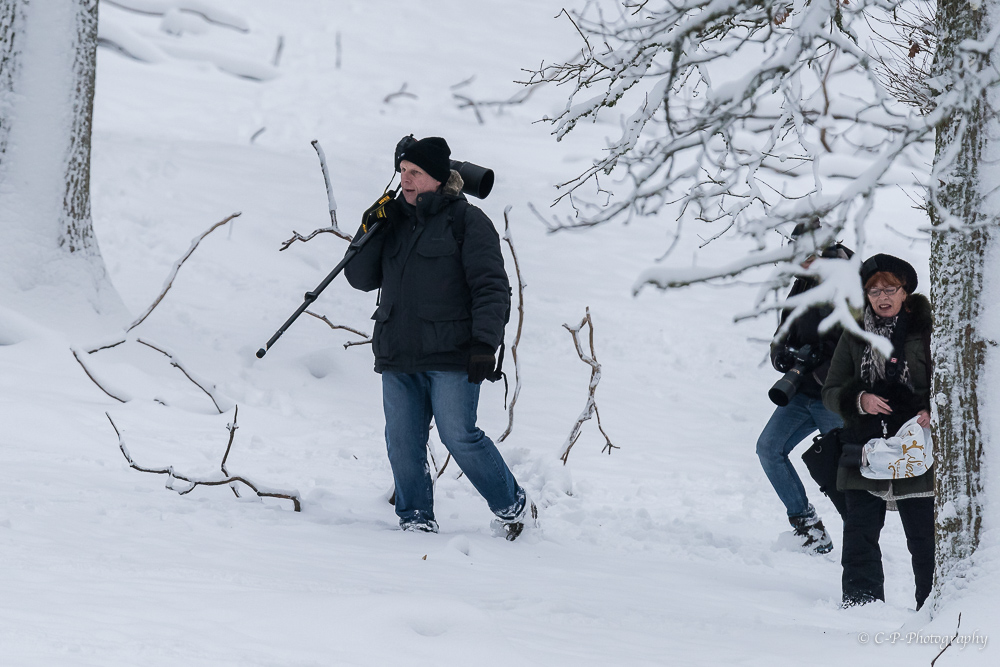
(371, 228)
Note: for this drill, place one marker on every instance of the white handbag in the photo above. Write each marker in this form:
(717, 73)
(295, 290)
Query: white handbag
(906, 454)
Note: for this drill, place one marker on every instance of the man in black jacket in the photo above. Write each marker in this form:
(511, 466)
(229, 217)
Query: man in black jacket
(791, 424)
(444, 302)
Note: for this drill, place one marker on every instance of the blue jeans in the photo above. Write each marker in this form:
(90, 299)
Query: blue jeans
(410, 400)
(786, 428)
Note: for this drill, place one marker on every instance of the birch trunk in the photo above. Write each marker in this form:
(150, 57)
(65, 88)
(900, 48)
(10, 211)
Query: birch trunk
(958, 263)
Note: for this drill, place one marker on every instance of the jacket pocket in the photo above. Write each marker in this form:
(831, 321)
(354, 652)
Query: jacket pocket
(381, 316)
(441, 246)
(444, 327)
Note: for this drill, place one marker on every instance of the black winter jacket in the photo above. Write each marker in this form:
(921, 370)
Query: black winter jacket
(441, 290)
(804, 330)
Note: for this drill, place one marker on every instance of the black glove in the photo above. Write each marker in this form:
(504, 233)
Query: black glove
(481, 362)
(783, 360)
(386, 208)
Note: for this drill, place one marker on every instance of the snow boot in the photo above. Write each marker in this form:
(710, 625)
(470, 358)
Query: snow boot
(809, 528)
(510, 529)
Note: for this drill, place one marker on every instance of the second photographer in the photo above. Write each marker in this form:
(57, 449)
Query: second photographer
(803, 355)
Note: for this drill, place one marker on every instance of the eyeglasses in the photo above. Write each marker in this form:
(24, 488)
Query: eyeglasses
(874, 292)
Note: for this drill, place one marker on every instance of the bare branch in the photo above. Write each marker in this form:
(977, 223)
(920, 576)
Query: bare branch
(193, 482)
(367, 339)
(520, 325)
(948, 645)
(595, 376)
(177, 265)
(399, 93)
(175, 362)
(93, 379)
(333, 228)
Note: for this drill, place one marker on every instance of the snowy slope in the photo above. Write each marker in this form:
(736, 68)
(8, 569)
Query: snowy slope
(672, 551)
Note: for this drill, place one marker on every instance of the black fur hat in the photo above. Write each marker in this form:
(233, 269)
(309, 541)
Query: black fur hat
(894, 265)
(432, 155)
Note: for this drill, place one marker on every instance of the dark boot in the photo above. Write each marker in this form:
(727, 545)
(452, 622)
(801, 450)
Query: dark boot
(813, 534)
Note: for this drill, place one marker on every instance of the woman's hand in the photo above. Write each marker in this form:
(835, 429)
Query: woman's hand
(924, 419)
(874, 405)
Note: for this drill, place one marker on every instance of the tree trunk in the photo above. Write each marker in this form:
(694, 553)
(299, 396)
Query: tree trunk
(958, 264)
(47, 64)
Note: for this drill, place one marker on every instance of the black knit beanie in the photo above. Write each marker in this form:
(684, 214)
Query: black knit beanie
(432, 155)
(894, 265)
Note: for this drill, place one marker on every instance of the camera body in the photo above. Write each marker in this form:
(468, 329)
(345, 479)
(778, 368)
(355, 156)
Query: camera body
(476, 181)
(806, 359)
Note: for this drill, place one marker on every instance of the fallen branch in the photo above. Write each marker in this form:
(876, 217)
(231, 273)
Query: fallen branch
(195, 482)
(179, 366)
(207, 12)
(520, 324)
(399, 93)
(946, 646)
(595, 377)
(367, 338)
(93, 379)
(333, 228)
(177, 265)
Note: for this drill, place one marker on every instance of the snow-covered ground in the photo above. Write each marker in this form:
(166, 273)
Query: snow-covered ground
(673, 550)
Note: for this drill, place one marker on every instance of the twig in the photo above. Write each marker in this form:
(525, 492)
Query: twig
(332, 202)
(194, 482)
(278, 50)
(179, 366)
(520, 324)
(469, 102)
(339, 49)
(400, 93)
(253, 137)
(595, 377)
(92, 378)
(367, 338)
(229, 445)
(173, 273)
(949, 641)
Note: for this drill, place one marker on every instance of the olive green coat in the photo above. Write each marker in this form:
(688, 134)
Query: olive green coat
(844, 383)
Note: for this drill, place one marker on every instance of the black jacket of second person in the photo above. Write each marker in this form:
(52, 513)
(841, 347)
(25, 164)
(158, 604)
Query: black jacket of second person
(443, 283)
(804, 330)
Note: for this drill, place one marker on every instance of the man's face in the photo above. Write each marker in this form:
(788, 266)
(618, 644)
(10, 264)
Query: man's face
(415, 181)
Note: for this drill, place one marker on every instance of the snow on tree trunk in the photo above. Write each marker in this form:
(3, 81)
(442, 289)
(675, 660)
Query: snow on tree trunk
(958, 267)
(47, 65)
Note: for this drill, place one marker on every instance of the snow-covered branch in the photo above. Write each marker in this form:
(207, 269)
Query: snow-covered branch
(192, 482)
(590, 410)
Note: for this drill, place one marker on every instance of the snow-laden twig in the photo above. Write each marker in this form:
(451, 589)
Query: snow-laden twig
(176, 363)
(169, 282)
(367, 339)
(520, 324)
(590, 410)
(194, 482)
(332, 202)
(94, 379)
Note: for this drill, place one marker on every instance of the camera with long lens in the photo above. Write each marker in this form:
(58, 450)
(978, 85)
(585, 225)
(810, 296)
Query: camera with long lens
(477, 181)
(806, 359)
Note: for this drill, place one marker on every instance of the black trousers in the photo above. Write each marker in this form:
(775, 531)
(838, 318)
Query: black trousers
(864, 580)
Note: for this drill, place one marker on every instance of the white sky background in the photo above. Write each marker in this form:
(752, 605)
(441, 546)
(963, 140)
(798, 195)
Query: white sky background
(673, 550)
